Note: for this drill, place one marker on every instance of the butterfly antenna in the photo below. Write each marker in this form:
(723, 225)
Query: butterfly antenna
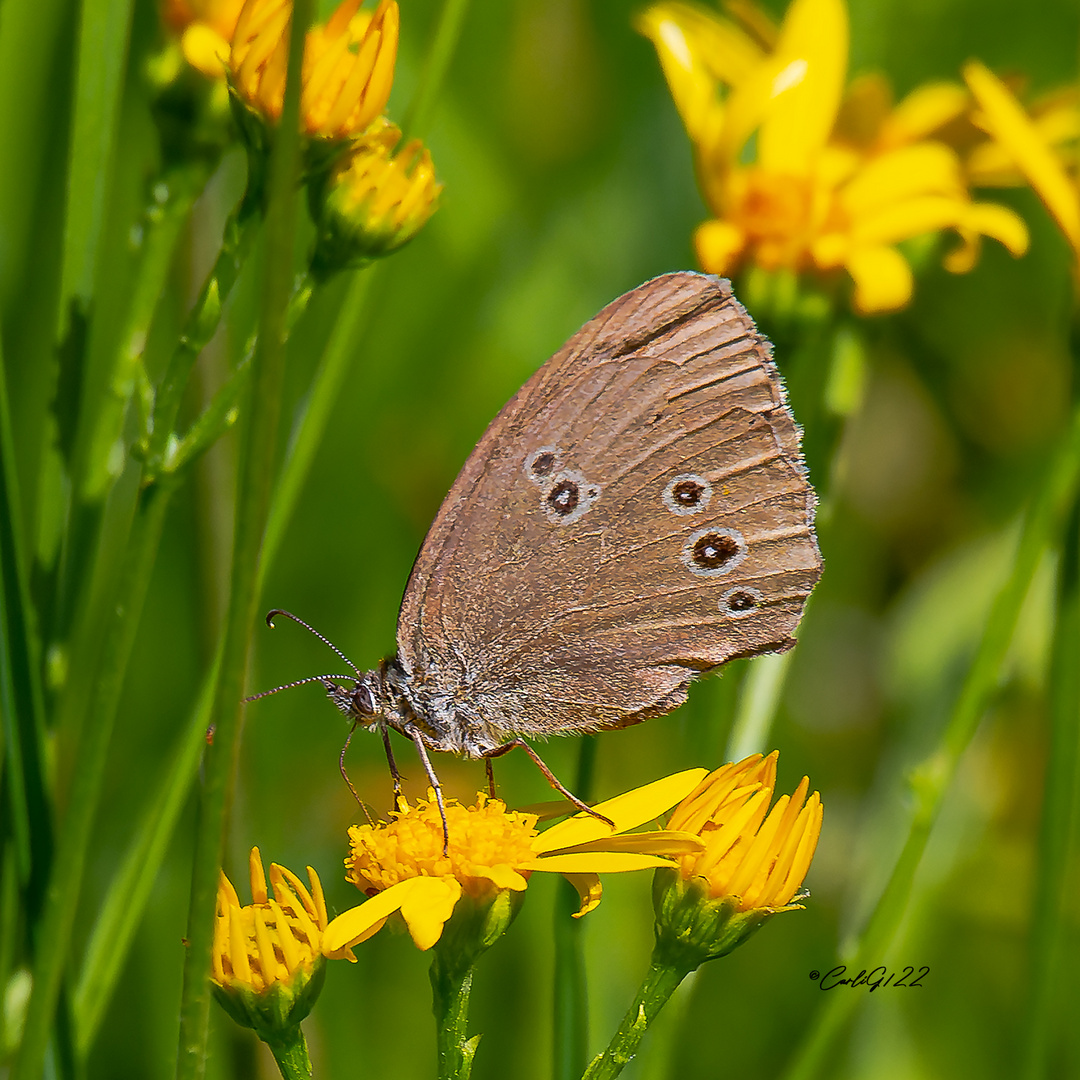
(299, 682)
(270, 615)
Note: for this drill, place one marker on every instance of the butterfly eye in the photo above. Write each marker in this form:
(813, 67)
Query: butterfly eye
(710, 552)
(740, 601)
(687, 494)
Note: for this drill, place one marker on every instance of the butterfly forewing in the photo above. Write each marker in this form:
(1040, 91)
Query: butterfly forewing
(638, 513)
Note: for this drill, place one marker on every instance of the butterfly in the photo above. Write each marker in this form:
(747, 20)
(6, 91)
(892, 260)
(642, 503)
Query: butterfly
(639, 513)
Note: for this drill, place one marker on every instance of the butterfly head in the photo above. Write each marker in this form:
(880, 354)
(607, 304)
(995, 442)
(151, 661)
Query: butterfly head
(358, 698)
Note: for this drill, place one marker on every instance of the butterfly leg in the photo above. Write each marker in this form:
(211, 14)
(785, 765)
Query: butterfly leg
(551, 778)
(345, 775)
(490, 777)
(394, 774)
(414, 734)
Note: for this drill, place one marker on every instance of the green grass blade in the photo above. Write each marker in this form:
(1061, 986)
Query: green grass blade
(315, 414)
(1057, 835)
(131, 887)
(253, 501)
(759, 702)
(931, 779)
(104, 29)
(66, 878)
(570, 1022)
(436, 64)
(23, 746)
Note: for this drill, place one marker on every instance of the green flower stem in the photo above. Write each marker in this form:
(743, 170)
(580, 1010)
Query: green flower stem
(291, 1055)
(451, 985)
(62, 895)
(930, 781)
(255, 480)
(202, 321)
(659, 984)
(172, 197)
(1057, 833)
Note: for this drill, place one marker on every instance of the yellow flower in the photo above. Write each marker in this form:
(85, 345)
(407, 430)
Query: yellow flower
(268, 956)
(752, 864)
(205, 28)
(1031, 144)
(491, 854)
(759, 861)
(800, 178)
(377, 199)
(347, 72)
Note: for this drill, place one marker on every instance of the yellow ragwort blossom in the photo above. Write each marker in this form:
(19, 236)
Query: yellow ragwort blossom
(206, 29)
(751, 866)
(758, 860)
(803, 176)
(378, 197)
(1032, 144)
(269, 955)
(491, 851)
(347, 72)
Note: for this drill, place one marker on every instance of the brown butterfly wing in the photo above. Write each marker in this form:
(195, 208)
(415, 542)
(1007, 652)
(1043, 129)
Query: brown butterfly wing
(638, 513)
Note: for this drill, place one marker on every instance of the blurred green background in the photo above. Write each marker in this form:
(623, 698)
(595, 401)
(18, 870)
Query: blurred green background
(568, 181)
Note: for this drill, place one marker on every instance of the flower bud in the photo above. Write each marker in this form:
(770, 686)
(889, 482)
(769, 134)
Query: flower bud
(377, 198)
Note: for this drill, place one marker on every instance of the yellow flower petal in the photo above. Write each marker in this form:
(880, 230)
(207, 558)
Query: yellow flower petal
(913, 217)
(589, 889)
(1010, 125)
(693, 87)
(427, 906)
(205, 50)
(718, 245)
(1003, 224)
(806, 87)
(504, 876)
(627, 811)
(926, 168)
(361, 922)
(882, 279)
(597, 862)
(927, 109)
(661, 842)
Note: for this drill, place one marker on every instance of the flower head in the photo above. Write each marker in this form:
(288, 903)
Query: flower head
(491, 854)
(377, 198)
(268, 960)
(347, 72)
(801, 176)
(752, 863)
